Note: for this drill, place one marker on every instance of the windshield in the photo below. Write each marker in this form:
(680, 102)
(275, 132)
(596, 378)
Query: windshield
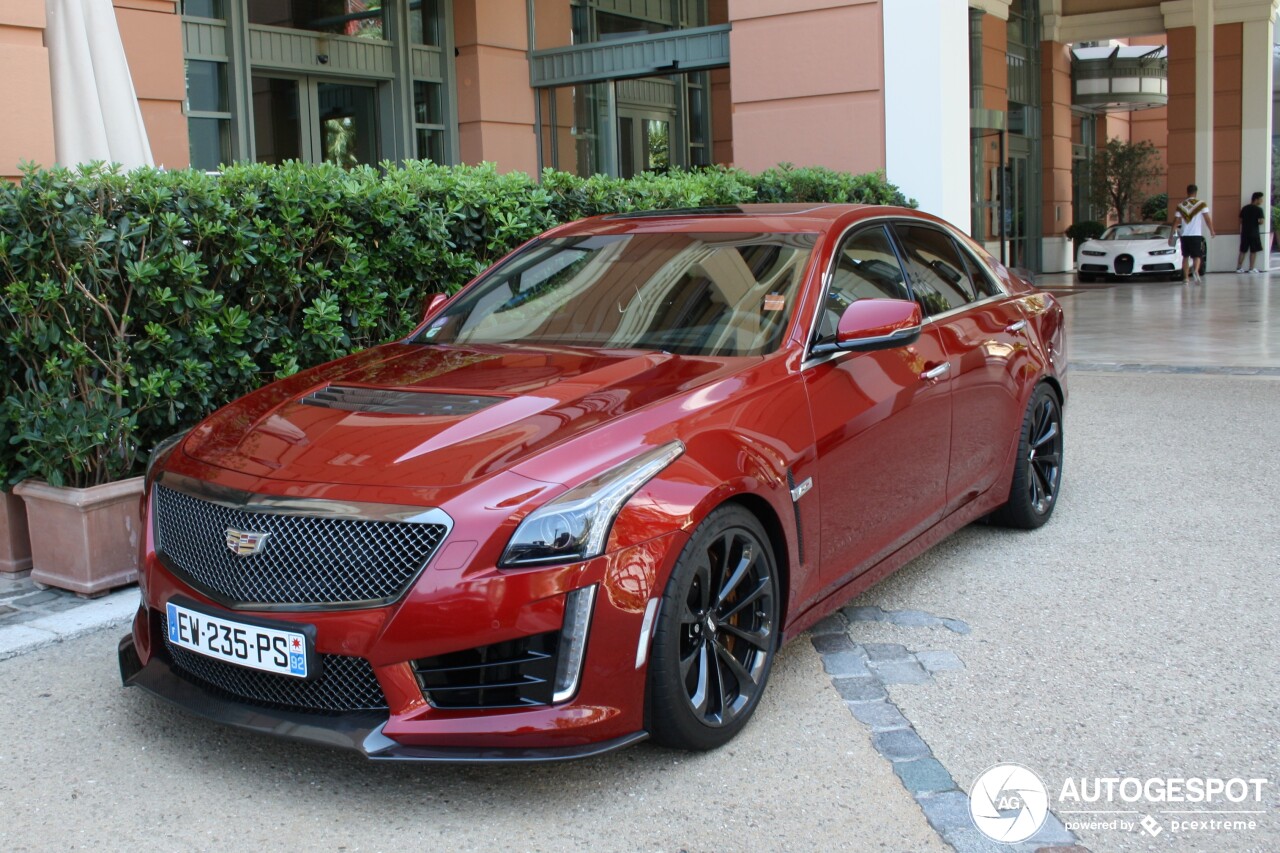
(693, 294)
(1137, 232)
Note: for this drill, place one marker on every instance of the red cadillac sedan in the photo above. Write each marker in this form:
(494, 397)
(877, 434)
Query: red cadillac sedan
(588, 498)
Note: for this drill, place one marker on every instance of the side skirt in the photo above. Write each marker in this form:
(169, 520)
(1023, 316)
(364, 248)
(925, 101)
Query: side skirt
(961, 517)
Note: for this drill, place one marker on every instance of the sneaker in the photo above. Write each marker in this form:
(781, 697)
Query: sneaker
(1255, 269)
(1242, 269)
(1195, 277)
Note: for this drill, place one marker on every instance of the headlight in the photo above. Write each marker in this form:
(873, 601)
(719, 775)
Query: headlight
(1161, 251)
(162, 447)
(575, 526)
(1093, 253)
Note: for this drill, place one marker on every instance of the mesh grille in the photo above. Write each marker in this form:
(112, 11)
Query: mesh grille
(304, 559)
(344, 684)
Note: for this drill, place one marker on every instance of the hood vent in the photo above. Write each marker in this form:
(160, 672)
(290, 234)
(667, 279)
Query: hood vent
(384, 401)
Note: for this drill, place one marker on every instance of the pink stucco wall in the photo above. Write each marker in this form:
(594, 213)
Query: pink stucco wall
(24, 66)
(808, 83)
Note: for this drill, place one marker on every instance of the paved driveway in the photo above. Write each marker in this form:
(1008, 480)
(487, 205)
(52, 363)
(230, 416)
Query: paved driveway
(1134, 636)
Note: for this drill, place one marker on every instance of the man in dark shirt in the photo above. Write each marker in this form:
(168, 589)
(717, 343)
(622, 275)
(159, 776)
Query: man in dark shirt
(1251, 217)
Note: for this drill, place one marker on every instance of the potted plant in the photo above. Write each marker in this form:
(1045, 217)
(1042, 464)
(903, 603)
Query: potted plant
(15, 543)
(74, 268)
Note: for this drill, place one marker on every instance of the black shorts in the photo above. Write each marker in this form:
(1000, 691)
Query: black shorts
(1193, 247)
(1250, 243)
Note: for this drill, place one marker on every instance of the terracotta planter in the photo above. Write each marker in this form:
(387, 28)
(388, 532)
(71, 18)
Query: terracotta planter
(84, 540)
(15, 544)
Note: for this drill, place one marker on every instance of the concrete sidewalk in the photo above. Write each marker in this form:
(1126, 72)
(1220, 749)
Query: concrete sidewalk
(31, 618)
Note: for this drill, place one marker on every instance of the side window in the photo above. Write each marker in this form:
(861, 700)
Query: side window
(939, 279)
(981, 277)
(864, 267)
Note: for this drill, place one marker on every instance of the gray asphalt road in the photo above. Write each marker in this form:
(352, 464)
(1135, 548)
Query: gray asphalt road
(1135, 635)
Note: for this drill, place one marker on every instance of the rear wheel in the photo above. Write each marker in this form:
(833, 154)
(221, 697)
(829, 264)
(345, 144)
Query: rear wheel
(716, 635)
(1037, 472)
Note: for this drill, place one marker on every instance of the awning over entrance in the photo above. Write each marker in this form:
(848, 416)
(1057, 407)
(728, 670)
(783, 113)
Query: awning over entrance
(1119, 78)
(95, 108)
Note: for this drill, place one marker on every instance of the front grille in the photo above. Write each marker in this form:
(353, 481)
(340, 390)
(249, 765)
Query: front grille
(1093, 268)
(515, 674)
(1157, 267)
(304, 560)
(344, 683)
(1124, 264)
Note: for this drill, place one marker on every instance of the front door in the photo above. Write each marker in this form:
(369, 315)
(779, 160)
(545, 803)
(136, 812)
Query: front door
(315, 120)
(881, 419)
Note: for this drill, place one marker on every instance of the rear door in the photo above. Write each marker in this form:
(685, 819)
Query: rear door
(983, 332)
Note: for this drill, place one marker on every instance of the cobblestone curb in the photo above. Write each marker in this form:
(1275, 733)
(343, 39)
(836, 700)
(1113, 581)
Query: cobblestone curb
(861, 674)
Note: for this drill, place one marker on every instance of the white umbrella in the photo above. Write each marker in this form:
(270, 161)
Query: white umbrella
(95, 108)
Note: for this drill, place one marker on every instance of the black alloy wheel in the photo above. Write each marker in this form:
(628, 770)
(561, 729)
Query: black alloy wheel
(716, 635)
(1037, 473)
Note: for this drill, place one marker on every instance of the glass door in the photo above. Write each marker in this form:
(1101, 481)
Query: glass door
(1019, 208)
(644, 142)
(315, 120)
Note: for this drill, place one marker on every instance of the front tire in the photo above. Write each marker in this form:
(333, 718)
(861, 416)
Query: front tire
(717, 631)
(1037, 472)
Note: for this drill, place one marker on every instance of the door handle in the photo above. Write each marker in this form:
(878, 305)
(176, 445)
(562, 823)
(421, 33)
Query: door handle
(1014, 328)
(937, 372)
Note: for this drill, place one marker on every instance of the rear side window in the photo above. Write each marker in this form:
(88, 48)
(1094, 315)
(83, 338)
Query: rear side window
(864, 267)
(980, 275)
(939, 277)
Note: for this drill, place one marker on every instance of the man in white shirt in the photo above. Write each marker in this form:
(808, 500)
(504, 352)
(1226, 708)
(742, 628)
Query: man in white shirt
(1192, 221)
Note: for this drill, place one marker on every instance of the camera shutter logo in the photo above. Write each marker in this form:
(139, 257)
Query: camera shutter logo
(245, 543)
(1008, 803)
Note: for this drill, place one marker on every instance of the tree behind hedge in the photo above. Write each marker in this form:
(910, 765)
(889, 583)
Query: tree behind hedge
(1122, 173)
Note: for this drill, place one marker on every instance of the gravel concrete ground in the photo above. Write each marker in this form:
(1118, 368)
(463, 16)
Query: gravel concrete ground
(88, 765)
(1137, 633)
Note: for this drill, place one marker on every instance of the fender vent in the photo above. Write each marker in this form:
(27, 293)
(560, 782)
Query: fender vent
(385, 401)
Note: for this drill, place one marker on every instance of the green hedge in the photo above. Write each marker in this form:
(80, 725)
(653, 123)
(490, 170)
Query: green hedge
(136, 303)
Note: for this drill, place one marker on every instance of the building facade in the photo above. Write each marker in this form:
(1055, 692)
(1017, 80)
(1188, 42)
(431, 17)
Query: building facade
(982, 110)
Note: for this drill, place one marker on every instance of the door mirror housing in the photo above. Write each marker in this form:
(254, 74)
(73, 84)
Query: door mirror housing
(871, 324)
(433, 303)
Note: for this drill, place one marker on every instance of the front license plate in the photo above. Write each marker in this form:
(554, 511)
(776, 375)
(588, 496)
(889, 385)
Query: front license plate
(256, 646)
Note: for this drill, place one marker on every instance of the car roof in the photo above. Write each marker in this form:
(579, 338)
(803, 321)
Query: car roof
(769, 218)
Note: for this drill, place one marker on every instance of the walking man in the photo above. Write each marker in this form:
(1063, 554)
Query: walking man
(1192, 221)
(1251, 217)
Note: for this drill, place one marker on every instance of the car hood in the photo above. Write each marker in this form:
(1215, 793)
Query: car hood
(428, 416)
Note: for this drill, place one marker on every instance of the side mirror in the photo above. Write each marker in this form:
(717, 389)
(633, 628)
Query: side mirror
(871, 324)
(432, 303)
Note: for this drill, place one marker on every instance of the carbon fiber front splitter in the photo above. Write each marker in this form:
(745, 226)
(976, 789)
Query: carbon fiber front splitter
(361, 732)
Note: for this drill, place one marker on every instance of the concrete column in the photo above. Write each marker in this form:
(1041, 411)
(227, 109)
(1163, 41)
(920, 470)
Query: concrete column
(495, 101)
(24, 66)
(1224, 200)
(1055, 135)
(926, 96)
(1256, 117)
(1202, 15)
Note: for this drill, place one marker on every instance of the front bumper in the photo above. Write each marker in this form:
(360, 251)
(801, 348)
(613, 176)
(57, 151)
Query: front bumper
(358, 731)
